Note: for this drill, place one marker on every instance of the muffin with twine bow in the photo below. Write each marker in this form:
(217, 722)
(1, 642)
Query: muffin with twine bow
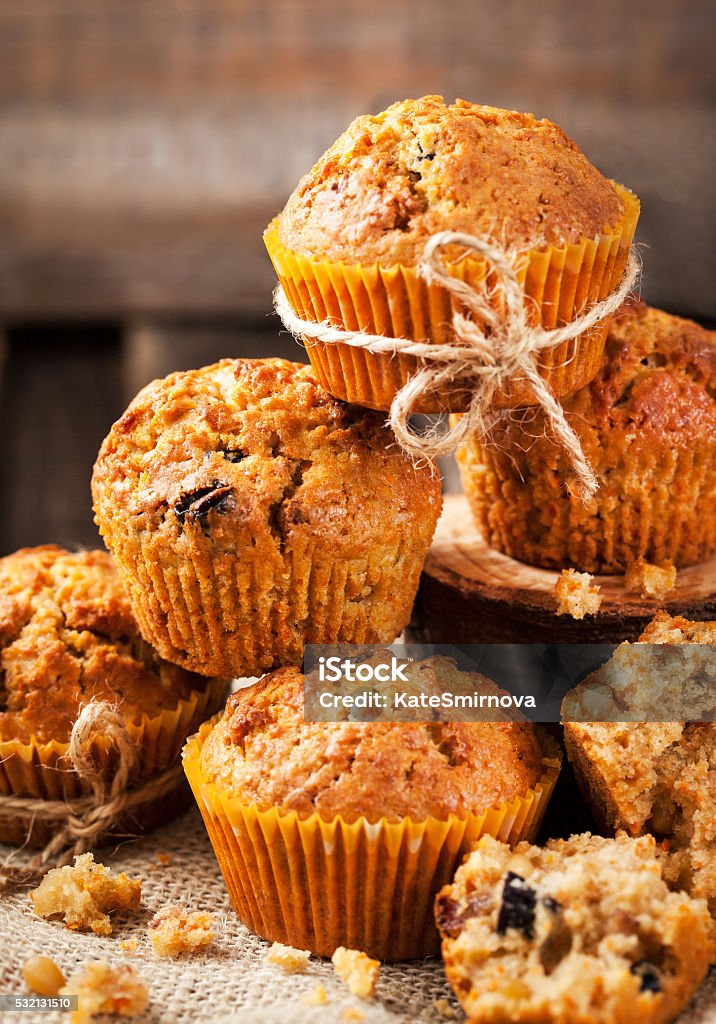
(457, 237)
(92, 721)
(647, 424)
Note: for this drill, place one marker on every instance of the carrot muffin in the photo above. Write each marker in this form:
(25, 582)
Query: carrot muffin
(68, 637)
(656, 776)
(252, 513)
(647, 423)
(339, 834)
(348, 244)
(582, 931)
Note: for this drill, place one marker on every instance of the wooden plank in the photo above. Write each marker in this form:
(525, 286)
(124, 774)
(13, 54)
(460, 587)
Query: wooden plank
(144, 146)
(59, 394)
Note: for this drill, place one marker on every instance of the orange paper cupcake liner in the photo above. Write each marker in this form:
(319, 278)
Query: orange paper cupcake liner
(397, 302)
(41, 770)
(317, 884)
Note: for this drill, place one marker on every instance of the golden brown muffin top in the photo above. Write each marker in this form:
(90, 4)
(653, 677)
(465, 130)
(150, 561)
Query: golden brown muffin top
(263, 751)
(394, 179)
(656, 386)
(68, 636)
(665, 629)
(256, 449)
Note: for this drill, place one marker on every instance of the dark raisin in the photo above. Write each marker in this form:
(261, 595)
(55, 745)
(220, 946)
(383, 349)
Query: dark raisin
(517, 909)
(558, 940)
(196, 505)
(648, 975)
(233, 454)
(450, 917)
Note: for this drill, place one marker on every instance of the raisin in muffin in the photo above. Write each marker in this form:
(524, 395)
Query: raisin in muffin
(647, 423)
(582, 931)
(348, 245)
(366, 820)
(67, 638)
(657, 776)
(252, 513)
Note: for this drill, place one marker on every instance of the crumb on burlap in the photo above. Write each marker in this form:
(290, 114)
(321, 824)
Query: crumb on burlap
(85, 893)
(128, 945)
(316, 997)
(289, 959)
(576, 595)
(649, 580)
(446, 1010)
(164, 859)
(357, 970)
(102, 988)
(352, 1013)
(174, 930)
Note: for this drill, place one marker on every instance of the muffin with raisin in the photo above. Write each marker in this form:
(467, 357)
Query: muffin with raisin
(349, 244)
(581, 931)
(251, 513)
(647, 424)
(68, 638)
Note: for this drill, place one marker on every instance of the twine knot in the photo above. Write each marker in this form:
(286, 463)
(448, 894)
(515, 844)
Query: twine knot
(495, 345)
(84, 821)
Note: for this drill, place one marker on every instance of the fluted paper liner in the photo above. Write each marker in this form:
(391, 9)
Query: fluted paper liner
(664, 511)
(317, 884)
(41, 770)
(395, 301)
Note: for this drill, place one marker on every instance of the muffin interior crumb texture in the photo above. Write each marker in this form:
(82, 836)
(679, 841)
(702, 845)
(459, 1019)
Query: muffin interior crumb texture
(68, 636)
(581, 930)
(577, 594)
(422, 166)
(657, 776)
(104, 989)
(288, 958)
(174, 931)
(84, 894)
(650, 581)
(358, 971)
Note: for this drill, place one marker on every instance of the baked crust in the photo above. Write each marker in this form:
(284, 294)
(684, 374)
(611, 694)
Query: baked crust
(395, 178)
(68, 636)
(647, 424)
(263, 751)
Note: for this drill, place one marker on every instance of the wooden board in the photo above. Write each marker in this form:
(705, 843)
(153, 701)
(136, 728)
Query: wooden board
(471, 594)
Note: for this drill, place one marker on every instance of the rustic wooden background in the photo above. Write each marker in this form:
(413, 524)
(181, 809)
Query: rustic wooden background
(145, 144)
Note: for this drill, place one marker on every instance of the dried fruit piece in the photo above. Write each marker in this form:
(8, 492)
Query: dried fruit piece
(517, 909)
(43, 976)
(195, 505)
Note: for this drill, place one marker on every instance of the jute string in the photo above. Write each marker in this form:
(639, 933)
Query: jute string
(494, 346)
(84, 821)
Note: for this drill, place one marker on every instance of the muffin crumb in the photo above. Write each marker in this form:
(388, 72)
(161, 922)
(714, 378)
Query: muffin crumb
(352, 1013)
(101, 988)
(43, 976)
(85, 894)
(357, 970)
(649, 580)
(576, 595)
(289, 959)
(174, 930)
(316, 997)
(128, 945)
(445, 1009)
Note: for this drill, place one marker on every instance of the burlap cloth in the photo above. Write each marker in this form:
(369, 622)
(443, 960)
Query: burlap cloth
(231, 982)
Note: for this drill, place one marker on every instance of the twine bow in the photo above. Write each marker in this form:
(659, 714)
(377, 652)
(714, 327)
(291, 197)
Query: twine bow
(493, 349)
(83, 822)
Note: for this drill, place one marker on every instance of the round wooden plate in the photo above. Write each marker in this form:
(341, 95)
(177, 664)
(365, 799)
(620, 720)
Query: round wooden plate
(470, 594)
